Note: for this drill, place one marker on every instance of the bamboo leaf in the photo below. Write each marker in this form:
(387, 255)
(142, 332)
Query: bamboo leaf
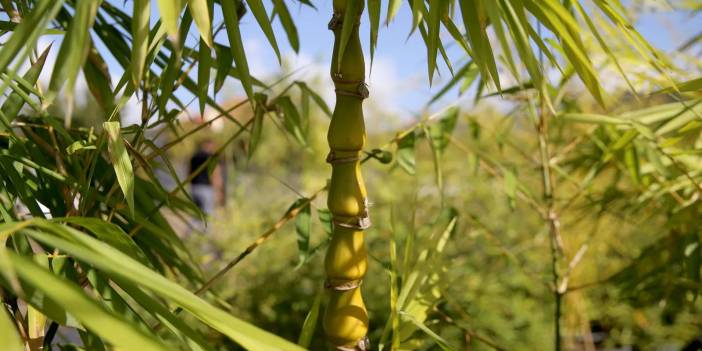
(231, 19)
(259, 12)
(14, 103)
(317, 99)
(443, 344)
(291, 119)
(393, 7)
(115, 263)
(325, 218)
(434, 25)
(405, 154)
(310, 324)
(592, 118)
(374, 18)
(73, 52)
(120, 162)
(98, 80)
(288, 24)
(257, 127)
(140, 41)
(8, 332)
(303, 226)
(170, 11)
(201, 10)
(104, 323)
(204, 67)
(26, 32)
(224, 64)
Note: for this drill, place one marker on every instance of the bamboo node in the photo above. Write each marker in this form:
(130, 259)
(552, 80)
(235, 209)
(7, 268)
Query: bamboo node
(361, 345)
(361, 222)
(335, 21)
(338, 18)
(361, 92)
(335, 157)
(342, 285)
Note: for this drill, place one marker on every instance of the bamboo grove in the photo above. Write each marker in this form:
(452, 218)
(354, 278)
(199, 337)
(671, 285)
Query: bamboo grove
(88, 243)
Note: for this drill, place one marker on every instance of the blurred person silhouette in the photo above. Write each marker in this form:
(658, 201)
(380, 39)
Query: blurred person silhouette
(207, 188)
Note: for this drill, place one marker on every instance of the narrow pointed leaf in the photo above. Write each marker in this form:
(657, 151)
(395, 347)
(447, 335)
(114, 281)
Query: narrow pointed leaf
(170, 11)
(259, 12)
(121, 162)
(140, 34)
(231, 19)
(104, 323)
(201, 12)
(288, 24)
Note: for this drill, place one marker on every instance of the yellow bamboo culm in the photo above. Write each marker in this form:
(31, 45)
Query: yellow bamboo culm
(346, 318)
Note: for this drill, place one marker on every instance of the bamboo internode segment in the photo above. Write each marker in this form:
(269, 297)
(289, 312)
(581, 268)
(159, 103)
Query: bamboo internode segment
(346, 318)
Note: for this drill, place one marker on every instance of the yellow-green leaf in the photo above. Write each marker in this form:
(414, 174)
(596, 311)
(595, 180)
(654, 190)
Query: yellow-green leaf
(201, 13)
(120, 161)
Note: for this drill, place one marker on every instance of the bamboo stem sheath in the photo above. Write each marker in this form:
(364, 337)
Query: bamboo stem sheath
(346, 318)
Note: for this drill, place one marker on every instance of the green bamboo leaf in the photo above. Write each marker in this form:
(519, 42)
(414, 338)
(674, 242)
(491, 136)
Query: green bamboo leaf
(393, 7)
(466, 74)
(25, 33)
(259, 12)
(310, 324)
(291, 119)
(201, 10)
(690, 86)
(317, 99)
(286, 20)
(106, 324)
(436, 11)
(374, 18)
(99, 81)
(109, 233)
(257, 127)
(303, 226)
(204, 66)
(592, 118)
(14, 103)
(394, 287)
(73, 52)
(176, 324)
(224, 65)
(231, 19)
(170, 11)
(439, 134)
(511, 185)
(475, 21)
(347, 24)
(140, 34)
(115, 263)
(631, 160)
(405, 154)
(325, 218)
(443, 344)
(418, 12)
(120, 161)
(8, 333)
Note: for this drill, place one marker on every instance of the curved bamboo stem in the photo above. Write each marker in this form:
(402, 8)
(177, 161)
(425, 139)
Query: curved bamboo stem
(346, 318)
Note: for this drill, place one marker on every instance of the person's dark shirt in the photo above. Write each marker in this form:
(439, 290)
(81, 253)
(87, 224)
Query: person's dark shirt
(199, 158)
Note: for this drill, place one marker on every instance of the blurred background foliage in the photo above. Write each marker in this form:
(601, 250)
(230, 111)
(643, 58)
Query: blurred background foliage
(484, 217)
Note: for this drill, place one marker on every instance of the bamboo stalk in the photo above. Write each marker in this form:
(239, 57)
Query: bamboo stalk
(346, 318)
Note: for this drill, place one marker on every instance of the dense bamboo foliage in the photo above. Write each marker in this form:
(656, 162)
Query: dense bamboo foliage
(492, 229)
